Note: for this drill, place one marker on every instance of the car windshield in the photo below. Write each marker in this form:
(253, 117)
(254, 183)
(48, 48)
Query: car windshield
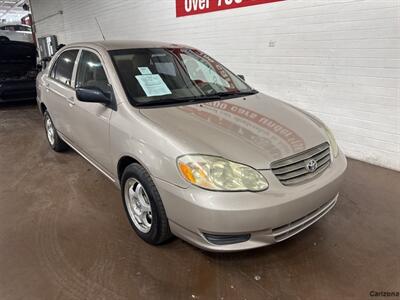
(161, 76)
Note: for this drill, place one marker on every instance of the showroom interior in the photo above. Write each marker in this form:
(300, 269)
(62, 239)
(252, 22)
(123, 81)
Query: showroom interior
(232, 179)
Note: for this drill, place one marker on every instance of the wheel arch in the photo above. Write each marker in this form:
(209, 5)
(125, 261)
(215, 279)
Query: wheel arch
(43, 108)
(123, 162)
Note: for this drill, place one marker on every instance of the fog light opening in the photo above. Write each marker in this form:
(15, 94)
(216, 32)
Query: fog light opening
(217, 239)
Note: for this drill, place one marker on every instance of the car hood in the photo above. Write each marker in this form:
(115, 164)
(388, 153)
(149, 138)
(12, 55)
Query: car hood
(255, 130)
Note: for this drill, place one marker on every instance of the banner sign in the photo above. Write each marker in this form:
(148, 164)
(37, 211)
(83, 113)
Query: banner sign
(194, 7)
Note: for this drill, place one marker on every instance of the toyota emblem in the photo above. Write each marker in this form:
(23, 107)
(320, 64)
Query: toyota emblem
(311, 165)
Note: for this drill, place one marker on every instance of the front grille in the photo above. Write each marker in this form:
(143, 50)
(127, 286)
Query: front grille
(293, 170)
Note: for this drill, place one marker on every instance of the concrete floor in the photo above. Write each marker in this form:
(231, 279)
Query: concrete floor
(64, 235)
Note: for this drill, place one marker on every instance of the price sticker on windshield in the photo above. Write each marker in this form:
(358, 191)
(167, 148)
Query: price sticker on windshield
(153, 85)
(144, 70)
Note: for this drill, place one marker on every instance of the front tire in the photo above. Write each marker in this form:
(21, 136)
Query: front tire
(55, 142)
(143, 205)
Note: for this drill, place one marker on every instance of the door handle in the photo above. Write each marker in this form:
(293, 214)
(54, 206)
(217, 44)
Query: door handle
(71, 100)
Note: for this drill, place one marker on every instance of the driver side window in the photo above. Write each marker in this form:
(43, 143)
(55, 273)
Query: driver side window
(91, 72)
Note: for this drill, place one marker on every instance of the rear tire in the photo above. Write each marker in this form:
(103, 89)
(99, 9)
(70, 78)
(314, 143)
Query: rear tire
(55, 142)
(143, 205)
(4, 39)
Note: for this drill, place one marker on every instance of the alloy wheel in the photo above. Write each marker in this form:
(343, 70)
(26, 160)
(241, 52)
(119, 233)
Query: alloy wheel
(138, 205)
(50, 130)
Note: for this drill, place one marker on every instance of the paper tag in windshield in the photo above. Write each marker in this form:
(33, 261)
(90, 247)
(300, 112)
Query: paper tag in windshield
(144, 70)
(153, 85)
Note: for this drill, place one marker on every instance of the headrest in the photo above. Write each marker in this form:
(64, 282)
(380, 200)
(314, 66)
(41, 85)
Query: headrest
(125, 65)
(141, 60)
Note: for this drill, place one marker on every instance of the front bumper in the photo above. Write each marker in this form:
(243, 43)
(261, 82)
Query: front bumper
(269, 216)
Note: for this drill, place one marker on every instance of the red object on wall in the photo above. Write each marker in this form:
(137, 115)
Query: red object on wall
(194, 7)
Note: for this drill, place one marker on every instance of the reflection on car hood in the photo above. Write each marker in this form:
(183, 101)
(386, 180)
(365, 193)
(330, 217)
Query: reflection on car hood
(255, 131)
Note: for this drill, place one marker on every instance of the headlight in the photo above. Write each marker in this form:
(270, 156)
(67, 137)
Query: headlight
(218, 174)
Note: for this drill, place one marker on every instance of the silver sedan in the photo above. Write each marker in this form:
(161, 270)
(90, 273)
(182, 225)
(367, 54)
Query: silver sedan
(196, 151)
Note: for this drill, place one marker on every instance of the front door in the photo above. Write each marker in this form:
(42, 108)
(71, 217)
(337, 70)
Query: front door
(92, 120)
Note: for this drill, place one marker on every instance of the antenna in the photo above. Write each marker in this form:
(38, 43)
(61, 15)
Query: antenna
(101, 31)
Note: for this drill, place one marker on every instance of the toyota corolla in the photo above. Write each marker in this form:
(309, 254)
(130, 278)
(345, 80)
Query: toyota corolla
(196, 152)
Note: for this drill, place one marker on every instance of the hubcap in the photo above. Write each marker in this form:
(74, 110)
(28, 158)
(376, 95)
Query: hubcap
(50, 130)
(138, 205)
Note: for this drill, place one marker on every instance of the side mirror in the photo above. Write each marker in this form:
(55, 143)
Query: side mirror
(242, 77)
(93, 94)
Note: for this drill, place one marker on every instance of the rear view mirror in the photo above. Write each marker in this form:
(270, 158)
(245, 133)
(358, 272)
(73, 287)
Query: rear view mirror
(93, 94)
(241, 77)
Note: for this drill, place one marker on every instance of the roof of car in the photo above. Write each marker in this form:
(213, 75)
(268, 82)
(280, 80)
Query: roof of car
(126, 44)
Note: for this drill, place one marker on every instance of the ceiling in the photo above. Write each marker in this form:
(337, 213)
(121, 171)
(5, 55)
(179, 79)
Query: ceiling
(11, 10)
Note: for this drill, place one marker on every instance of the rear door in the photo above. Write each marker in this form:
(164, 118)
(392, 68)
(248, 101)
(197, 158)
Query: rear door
(59, 94)
(91, 120)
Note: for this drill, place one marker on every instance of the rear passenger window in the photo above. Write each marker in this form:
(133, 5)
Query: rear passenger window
(62, 70)
(10, 28)
(22, 28)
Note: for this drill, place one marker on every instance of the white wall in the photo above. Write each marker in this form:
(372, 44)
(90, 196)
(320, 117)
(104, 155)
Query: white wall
(48, 18)
(339, 59)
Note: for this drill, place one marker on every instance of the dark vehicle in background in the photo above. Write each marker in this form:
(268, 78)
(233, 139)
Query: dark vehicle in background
(18, 71)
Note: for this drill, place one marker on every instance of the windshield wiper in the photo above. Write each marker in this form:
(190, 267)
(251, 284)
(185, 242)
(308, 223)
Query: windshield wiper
(192, 99)
(167, 101)
(235, 93)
